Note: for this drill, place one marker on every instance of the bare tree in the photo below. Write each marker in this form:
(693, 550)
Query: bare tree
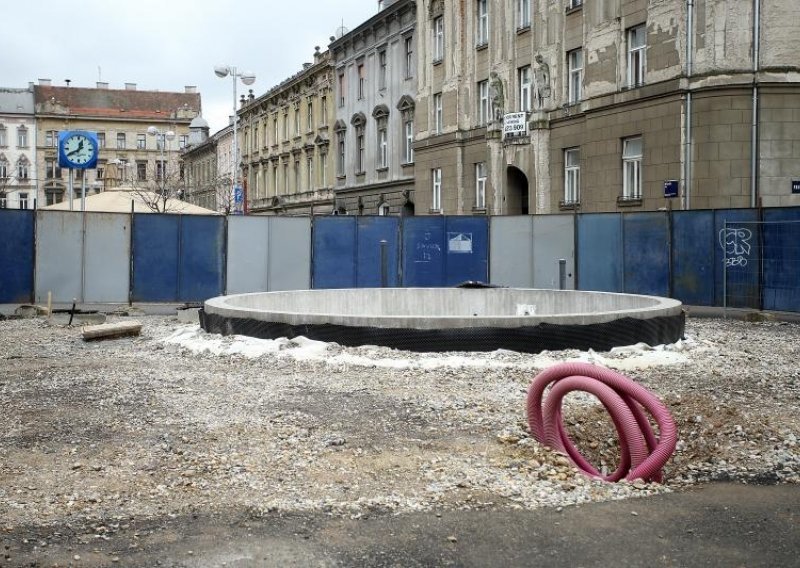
(6, 185)
(213, 193)
(159, 189)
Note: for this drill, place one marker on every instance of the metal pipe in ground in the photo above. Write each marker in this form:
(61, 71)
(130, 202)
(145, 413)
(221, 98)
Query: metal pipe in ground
(384, 264)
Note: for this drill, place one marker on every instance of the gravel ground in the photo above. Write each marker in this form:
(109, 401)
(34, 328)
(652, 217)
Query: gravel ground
(114, 432)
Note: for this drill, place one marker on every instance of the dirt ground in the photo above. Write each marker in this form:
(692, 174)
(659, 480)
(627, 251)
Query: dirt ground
(142, 451)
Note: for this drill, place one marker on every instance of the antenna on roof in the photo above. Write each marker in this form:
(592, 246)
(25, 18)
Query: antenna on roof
(99, 74)
(341, 30)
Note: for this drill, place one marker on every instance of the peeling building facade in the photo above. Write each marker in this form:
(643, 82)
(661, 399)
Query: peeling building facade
(622, 102)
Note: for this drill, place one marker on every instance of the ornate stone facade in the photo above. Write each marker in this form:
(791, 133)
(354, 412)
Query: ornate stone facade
(620, 98)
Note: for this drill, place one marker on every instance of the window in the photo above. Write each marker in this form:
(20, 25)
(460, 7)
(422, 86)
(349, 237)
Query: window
(286, 178)
(285, 125)
(3, 202)
(383, 145)
(275, 185)
(523, 14)
(22, 170)
(525, 84)
(362, 81)
(409, 50)
(408, 129)
(310, 115)
(22, 137)
(483, 23)
(310, 171)
(632, 168)
(340, 165)
(572, 176)
(183, 141)
(637, 61)
(101, 139)
(480, 185)
(141, 171)
(297, 122)
(141, 142)
(573, 4)
(297, 179)
(575, 73)
(384, 209)
(23, 200)
(275, 131)
(438, 39)
(121, 141)
(382, 69)
(360, 149)
(3, 170)
(3, 138)
(483, 102)
(100, 173)
(323, 158)
(52, 169)
(323, 102)
(341, 89)
(437, 113)
(51, 138)
(436, 196)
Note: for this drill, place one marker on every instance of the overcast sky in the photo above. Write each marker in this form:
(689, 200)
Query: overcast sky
(165, 45)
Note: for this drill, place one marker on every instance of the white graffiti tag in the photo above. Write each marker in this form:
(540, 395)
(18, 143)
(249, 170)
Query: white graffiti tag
(736, 244)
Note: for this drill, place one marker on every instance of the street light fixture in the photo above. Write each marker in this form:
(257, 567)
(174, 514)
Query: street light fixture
(162, 136)
(248, 78)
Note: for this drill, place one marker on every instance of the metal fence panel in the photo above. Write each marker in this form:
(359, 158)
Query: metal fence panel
(511, 251)
(467, 245)
(289, 253)
(107, 260)
(737, 273)
(693, 246)
(646, 253)
(247, 256)
(553, 241)
(202, 255)
(371, 231)
(334, 253)
(59, 255)
(600, 252)
(155, 257)
(17, 250)
(781, 233)
(423, 252)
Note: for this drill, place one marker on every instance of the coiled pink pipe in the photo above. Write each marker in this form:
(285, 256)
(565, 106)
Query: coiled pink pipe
(642, 454)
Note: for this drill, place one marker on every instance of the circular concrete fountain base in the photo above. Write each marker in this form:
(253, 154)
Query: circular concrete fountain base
(451, 319)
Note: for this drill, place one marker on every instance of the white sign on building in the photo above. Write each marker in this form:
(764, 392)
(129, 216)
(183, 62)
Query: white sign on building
(515, 124)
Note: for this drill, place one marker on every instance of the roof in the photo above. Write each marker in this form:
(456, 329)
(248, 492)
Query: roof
(118, 200)
(106, 103)
(16, 101)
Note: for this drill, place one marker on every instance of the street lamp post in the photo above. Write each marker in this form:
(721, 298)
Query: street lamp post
(162, 136)
(248, 78)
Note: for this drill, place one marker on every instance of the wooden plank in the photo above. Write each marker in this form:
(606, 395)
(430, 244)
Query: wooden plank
(110, 330)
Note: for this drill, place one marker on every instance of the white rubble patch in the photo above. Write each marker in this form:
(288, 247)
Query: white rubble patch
(633, 357)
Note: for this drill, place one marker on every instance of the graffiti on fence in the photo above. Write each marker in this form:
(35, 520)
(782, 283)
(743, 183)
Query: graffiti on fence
(735, 241)
(427, 249)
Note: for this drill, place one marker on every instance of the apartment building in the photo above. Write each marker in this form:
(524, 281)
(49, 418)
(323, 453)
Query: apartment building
(375, 67)
(610, 105)
(121, 118)
(284, 137)
(18, 182)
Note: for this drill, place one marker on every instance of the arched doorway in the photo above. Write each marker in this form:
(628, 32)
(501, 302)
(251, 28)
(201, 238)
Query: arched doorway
(516, 192)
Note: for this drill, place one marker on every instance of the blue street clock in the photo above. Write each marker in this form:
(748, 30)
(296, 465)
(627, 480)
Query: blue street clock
(77, 149)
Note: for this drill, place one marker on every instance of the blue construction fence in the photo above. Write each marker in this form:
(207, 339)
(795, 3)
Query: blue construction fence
(736, 258)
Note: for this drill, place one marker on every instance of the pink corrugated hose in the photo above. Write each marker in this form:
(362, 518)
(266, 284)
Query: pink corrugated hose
(642, 455)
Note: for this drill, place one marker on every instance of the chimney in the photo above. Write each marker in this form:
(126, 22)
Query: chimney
(102, 85)
(130, 86)
(190, 90)
(44, 82)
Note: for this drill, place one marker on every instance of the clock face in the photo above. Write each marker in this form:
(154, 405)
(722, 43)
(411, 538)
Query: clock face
(79, 149)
